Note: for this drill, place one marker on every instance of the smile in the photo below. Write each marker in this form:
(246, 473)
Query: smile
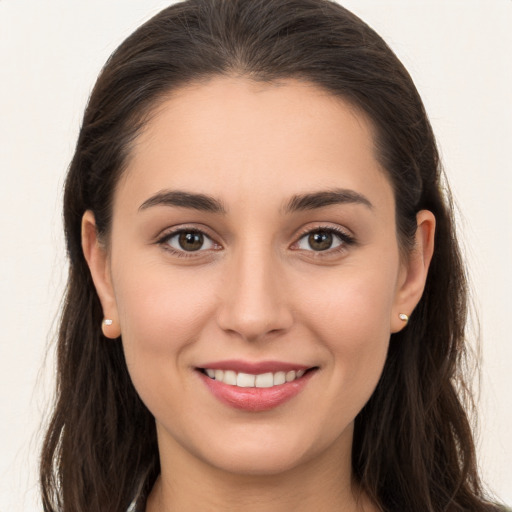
(255, 387)
(247, 380)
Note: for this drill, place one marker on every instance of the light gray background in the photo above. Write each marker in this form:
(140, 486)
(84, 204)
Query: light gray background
(459, 54)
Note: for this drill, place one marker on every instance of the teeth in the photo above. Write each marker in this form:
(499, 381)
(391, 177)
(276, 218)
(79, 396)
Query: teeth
(265, 380)
(290, 376)
(246, 380)
(279, 378)
(230, 377)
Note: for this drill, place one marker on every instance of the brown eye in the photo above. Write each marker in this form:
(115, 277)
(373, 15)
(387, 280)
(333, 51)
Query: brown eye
(320, 240)
(324, 240)
(190, 241)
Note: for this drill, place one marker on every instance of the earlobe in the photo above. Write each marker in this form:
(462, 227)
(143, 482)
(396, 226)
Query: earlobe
(110, 329)
(414, 272)
(97, 259)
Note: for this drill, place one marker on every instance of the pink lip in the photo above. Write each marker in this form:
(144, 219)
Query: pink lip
(254, 368)
(256, 399)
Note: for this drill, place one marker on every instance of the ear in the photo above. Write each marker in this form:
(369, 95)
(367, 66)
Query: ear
(413, 274)
(97, 259)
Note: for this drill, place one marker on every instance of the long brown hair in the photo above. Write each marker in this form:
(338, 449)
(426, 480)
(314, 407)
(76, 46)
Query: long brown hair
(413, 447)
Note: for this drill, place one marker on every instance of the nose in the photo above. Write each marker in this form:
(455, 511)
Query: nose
(254, 303)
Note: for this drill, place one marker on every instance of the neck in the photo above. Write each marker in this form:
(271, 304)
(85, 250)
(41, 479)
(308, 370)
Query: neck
(188, 484)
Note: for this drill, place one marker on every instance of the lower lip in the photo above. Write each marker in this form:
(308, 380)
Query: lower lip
(256, 399)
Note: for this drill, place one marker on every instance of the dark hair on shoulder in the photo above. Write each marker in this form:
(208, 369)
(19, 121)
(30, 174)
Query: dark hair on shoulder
(413, 447)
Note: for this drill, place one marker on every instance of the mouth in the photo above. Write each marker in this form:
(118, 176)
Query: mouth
(260, 387)
(260, 380)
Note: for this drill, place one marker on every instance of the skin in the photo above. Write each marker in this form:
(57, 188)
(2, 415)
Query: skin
(258, 290)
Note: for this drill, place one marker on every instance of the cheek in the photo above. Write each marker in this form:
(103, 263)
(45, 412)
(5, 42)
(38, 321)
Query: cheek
(357, 300)
(350, 315)
(161, 313)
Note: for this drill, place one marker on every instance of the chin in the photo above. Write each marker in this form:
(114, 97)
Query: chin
(265, 452)
(256, 462)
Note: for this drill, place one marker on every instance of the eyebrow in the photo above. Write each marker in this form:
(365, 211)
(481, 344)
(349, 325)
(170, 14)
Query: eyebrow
(301, 202)
(201, 202)
(312, 201)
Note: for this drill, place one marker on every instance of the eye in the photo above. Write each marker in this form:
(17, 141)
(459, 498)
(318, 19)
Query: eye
(323, 239)
(188, 240)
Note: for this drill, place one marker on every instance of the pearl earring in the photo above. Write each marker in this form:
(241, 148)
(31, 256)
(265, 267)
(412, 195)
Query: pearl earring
(403, 317)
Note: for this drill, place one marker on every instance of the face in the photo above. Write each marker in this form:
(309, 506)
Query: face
(253, 244)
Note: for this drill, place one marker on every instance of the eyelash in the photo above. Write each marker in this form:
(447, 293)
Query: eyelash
(343, 237)
(164, 242)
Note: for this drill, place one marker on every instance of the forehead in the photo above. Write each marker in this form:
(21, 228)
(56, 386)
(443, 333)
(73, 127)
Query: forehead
(233, 137)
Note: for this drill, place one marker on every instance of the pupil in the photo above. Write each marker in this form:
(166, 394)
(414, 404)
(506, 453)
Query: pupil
(191, 241)
(320, 241)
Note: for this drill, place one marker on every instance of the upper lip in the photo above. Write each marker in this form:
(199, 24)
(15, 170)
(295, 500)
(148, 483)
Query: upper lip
(254, 368)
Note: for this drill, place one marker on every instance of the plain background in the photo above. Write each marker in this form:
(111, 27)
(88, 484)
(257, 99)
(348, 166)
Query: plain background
(459, 54)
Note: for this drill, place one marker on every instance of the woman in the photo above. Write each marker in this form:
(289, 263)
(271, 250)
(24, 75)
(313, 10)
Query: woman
(266, 302)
